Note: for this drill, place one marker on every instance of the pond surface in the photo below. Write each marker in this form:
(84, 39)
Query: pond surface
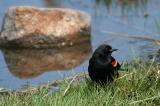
(129, 25)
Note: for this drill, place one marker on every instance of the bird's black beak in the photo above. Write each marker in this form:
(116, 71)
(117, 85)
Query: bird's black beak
(112, 50)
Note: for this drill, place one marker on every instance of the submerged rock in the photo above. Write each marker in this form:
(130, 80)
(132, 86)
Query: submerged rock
(30, 27)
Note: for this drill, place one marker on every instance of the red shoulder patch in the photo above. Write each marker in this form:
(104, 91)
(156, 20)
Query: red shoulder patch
(114, 63)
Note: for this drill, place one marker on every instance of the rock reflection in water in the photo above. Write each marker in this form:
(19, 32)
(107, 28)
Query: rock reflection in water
(30, 63)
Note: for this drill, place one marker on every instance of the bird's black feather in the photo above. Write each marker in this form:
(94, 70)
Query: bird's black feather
(100, 66)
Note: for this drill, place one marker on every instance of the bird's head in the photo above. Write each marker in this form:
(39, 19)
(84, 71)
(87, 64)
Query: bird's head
(106, 49)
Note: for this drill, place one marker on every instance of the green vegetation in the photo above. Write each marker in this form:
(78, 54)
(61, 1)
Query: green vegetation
(139, 86)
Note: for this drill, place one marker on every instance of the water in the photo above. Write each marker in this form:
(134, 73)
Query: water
(111, 21)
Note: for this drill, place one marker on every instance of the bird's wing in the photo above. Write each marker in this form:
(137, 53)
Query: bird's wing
(100, 64)
(114, 63)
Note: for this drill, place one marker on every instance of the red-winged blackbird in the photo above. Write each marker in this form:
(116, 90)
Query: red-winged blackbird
(102, 66)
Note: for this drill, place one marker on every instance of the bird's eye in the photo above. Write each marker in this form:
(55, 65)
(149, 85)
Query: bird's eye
(110, 50)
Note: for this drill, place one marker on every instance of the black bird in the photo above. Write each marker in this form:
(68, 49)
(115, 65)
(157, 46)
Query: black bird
(103, 68)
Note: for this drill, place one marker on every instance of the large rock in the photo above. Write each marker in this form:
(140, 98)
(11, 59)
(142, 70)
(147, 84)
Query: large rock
(30, 27)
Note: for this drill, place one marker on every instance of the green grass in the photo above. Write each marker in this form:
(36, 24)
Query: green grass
(140, 86)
